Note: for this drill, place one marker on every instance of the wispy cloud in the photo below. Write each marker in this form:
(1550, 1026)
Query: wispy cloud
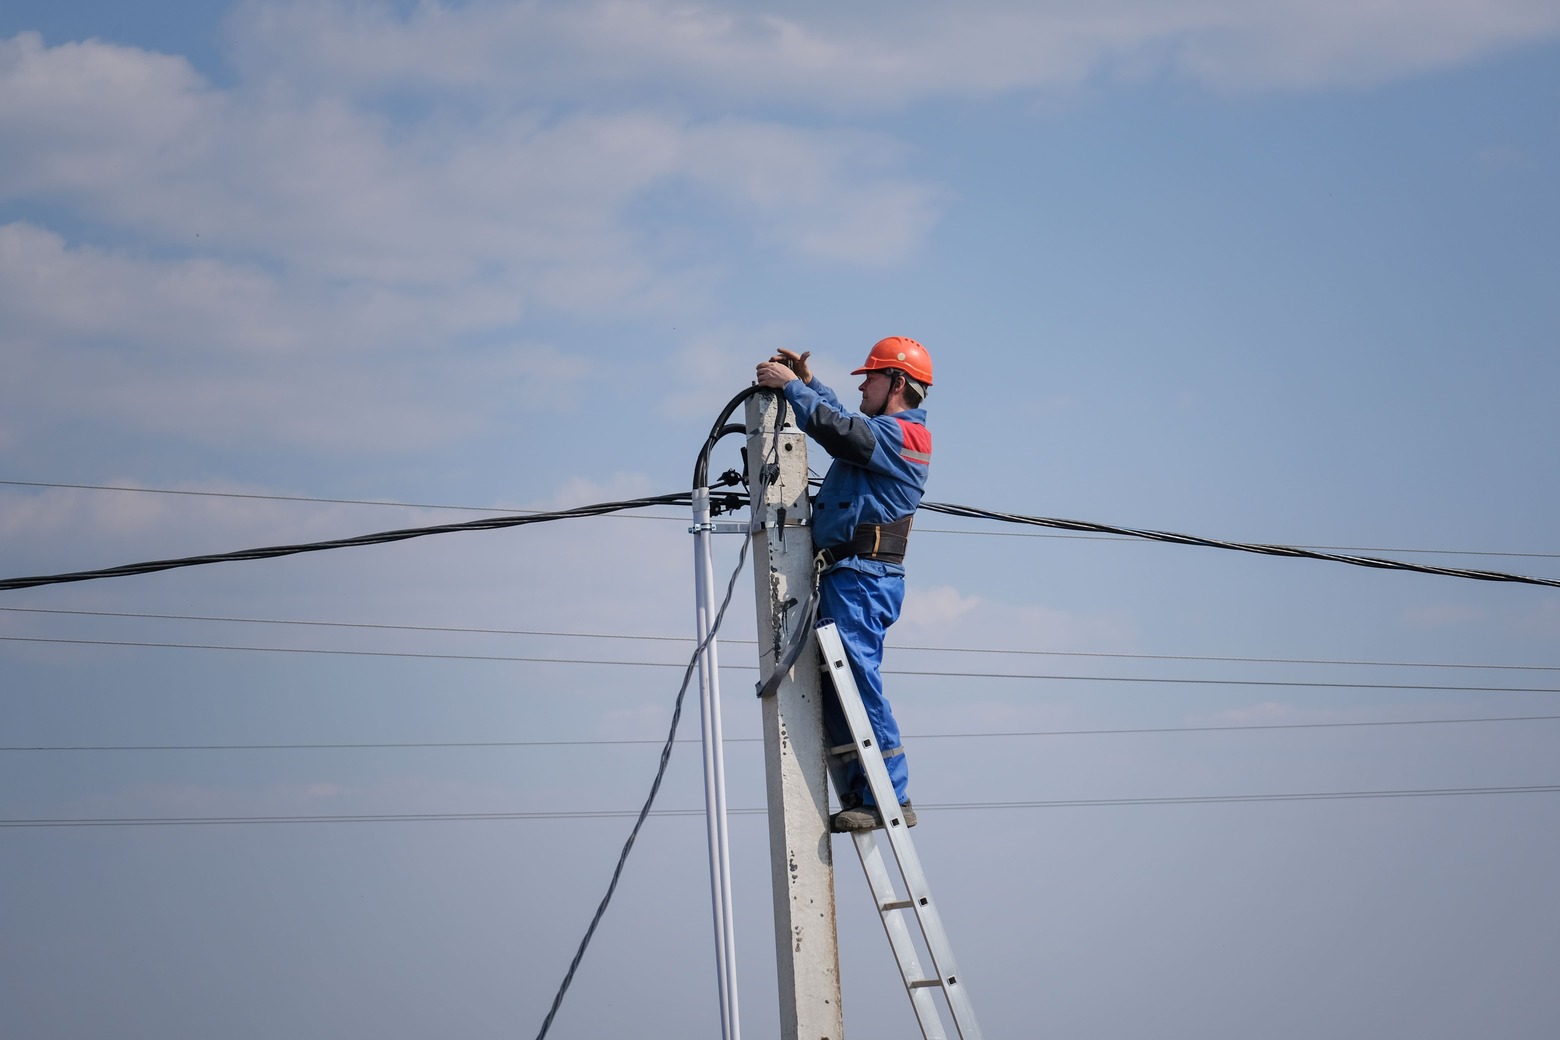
(960, 619)
(222, 240)
(872, 54)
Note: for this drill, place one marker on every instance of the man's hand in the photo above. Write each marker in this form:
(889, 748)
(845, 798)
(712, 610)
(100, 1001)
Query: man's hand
(796, 362)
(774, 375)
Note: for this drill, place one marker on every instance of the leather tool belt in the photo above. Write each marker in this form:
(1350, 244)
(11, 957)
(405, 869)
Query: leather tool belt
(884, 542)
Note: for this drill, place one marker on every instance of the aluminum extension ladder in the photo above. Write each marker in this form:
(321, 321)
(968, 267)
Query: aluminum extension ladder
(918, 895)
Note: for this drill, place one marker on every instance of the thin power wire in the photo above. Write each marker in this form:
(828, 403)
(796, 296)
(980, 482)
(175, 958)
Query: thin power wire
(292, 498)
(523, 659)
(607, 814)
(466, 630)
(996, 734)
(373, 626)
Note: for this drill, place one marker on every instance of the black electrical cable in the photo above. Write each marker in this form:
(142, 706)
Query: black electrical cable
(270, 552)
(700, 477)
(818, 480)
(683, 498)
(1212, 543)
(655, 788)
(701, 465)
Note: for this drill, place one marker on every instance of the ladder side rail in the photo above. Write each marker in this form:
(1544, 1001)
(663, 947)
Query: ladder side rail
(836, 663)
(936, 936)
(899, 938)
(881, 885)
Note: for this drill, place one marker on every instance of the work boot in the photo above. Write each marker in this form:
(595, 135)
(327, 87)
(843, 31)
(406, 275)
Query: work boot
(866, 818)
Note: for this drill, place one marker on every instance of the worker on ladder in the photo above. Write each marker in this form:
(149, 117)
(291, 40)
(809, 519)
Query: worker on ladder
(861, 524)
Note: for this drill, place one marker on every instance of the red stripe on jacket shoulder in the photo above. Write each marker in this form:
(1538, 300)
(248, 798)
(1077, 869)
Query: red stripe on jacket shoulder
(918, 442)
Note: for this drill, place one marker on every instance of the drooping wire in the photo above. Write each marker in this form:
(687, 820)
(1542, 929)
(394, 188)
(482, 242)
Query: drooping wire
(655, 788)
(270, 552)
(973, 512)
(700, 473)
(815, 480)
(683, 498)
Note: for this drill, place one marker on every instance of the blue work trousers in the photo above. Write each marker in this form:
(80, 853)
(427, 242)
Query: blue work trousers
(862, 606)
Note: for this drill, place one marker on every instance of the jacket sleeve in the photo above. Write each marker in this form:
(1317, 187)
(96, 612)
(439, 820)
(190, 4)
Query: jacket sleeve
(845, 435)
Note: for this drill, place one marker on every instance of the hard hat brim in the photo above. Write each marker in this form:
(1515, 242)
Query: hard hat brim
(878, 368)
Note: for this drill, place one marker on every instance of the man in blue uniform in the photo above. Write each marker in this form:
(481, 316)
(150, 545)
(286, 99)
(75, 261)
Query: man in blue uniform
(861, 521)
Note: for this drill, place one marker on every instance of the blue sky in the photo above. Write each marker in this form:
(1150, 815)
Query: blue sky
(1273, 271)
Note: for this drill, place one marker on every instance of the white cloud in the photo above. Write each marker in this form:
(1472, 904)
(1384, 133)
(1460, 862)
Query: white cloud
(871, 54)
(215, 350)
(580, 491)
(325, 186)
(277, 231)
(294, 267)
(146, 524)
(1305, 45)
(934, 608)
(947, 617)
(88, 293)
(831, 195)
(308, 217)
(83, 112)
(713, 364)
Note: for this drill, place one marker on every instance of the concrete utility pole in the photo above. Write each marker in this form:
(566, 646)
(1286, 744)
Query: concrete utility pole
(795, 747)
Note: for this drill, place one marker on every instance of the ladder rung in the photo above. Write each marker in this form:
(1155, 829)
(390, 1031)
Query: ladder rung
(925, 983)
(897, 904)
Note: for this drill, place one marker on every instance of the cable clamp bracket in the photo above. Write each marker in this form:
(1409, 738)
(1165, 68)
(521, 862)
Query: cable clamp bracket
(720, 527)
(742, 526)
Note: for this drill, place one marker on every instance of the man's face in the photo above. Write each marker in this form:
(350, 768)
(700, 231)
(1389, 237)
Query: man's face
(875, 388)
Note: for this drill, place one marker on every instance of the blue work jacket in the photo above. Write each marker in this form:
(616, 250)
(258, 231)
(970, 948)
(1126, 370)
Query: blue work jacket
(879, 469)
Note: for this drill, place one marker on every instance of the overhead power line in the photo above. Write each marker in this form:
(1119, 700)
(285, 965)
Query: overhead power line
(997, 734)
(391, 504)
(682, 498)
(255, 496)
(517, 658)
(685, 640)
(1292, 551)
(270, 552)
(608, 814)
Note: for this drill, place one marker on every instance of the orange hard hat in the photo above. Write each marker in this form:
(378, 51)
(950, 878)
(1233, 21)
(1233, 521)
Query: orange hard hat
(899, 352)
